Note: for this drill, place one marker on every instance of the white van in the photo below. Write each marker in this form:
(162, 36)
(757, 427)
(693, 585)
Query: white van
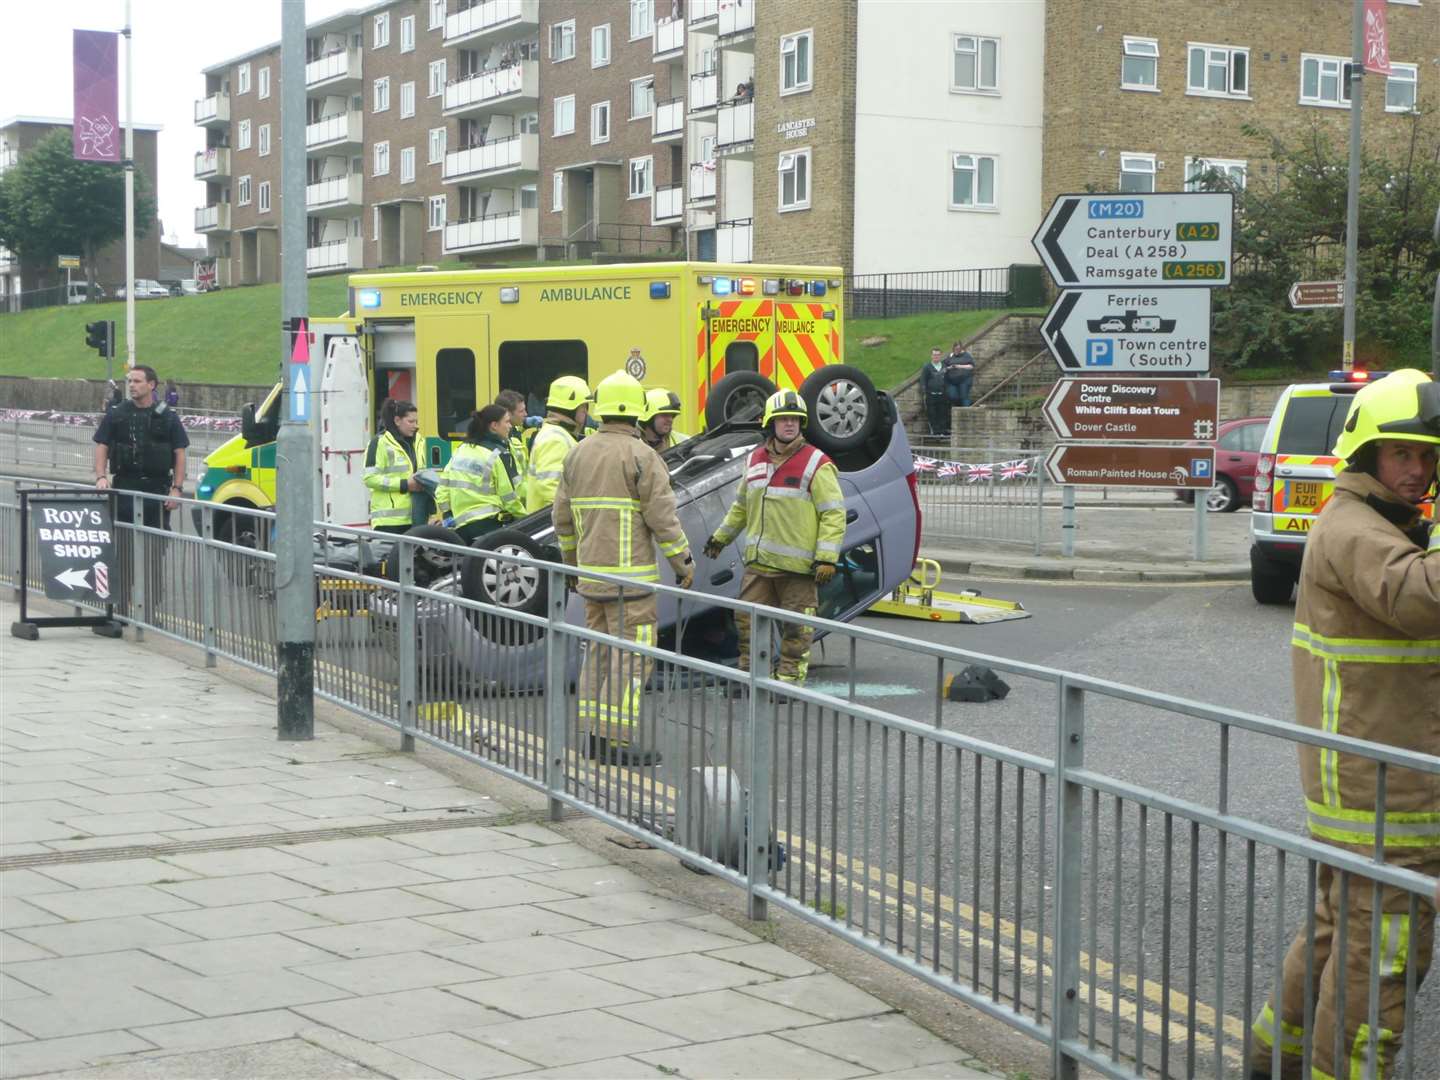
(78, 293)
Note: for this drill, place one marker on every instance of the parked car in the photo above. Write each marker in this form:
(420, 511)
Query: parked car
(145, 289)
(1237, 452)
(181, 287)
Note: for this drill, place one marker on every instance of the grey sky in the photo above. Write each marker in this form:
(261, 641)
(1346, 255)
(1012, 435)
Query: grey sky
(173, 40)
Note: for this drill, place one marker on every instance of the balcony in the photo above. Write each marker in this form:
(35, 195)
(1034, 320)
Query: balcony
(701, 10)
(334, 131)
(668, 204)
(337, 193)
(518, 153)
(702, 180)
(490, 89)
(336, 68)
(213, 218)
(669, 38)
(737, 17)
(669, 120)
(502, 18)
(704, 90)
(213, 111)
(213, 164)
(733, 241)
(736, 128)
(347, 254)
(514, 229)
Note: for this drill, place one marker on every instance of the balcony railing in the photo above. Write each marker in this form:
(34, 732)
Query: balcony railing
(213, 163)
(214, 109)
(669, 36)
(669, 203)
(347, 254)
(213, 218)
(336, 191)
(344, 127)
(702, 180)
(493, 230)
(733, 241)
(700, 10)
(669, 118)
(516, 152)
(340, 63)
(704, 90)
(737, 124)
(490, 15)
(736, 16)
(492, 85)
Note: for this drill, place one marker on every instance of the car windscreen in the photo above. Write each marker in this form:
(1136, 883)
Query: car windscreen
(1312, 424)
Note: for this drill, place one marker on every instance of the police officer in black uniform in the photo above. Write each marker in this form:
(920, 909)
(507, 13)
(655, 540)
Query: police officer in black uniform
(142, 443)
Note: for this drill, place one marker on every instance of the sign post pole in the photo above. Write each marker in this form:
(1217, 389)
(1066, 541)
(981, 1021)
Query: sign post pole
(1352, 195)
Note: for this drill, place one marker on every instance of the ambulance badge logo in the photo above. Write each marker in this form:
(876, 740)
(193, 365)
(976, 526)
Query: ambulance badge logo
(635, 365)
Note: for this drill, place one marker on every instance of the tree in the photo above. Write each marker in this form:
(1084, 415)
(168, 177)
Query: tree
(51, 204)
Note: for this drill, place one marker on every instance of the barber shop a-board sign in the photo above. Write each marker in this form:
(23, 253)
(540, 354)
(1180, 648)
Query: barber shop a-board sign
(76, 538)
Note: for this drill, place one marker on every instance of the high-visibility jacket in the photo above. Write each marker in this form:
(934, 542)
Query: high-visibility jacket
(552, 445)
(790, 505)
(519, 453)
(479, 483)
(613, 505)
(389, 464)
(1366, 662)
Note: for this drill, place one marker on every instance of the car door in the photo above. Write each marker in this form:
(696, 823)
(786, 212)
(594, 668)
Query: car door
(1237, 453)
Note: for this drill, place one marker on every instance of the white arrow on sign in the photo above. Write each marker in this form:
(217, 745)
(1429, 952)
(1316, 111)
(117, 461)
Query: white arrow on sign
(74, 578)
(299, 395)
(1131, 331)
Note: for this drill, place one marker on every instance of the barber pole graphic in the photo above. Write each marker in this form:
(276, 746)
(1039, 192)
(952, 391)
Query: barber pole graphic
(101, 578)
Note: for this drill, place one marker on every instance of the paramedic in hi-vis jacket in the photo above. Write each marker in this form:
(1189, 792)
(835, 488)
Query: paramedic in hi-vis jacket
(1366, 658)
(793, 513)
(613, 505)
(565, 412)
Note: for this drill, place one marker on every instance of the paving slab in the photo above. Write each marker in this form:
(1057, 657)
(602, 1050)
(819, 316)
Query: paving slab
(490, 892)
(823, 995)
(455, 1055)
(78, 904)
(751, 1056)
(642, 941)
(500, 924)
(462, 841)
(47, 1055)
(386, 936)
(286, 1059)
(878, 1043)
(547, 993)
(687, 973)
(103, 935)
(620, 909)
(213, 1033)
(583, 1036)
(720, 1014)
(259, 952)
(372, 905)
(522, 956)
(360, 877)
(21, 883)
(392, 972)
(242, 920)
(99, 875)
(386, 1017)
(129, 967)
(472, 864)
(246, 991)
(90, 1008)
(239, 889)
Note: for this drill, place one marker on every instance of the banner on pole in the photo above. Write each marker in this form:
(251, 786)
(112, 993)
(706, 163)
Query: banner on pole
(96, 130)
(1377, 38)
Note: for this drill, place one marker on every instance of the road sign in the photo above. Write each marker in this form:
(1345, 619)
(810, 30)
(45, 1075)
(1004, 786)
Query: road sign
(68, 262)
(1132, 410)
(300, 394)
(1171, 239)
(1132, 465)
(77, 547)
(1317, 294)
(1130, 331)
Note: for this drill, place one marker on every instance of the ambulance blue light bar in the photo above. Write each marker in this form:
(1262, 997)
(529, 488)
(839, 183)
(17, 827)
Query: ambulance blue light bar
(817, 288)
(659, 290)
(721, 286)
(369, 298)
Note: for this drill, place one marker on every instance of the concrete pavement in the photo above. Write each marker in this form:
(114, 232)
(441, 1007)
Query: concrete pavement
(181, 895)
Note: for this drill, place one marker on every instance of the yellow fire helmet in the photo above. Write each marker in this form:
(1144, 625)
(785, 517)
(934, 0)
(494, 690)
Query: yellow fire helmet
(1403, 405)
(660, 402)
(785, 403)
(619, 395)
(568, 392)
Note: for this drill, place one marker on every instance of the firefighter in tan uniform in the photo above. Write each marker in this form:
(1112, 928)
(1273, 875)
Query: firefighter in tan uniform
(792, 510)
(1366, 658)
(613, 505)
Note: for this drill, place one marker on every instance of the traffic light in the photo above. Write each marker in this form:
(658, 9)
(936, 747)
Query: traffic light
(100, 336)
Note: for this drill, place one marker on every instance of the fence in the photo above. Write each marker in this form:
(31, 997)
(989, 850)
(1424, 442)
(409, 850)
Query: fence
(60, 443)
(981, 493)
(884, 296)
(1128, 923)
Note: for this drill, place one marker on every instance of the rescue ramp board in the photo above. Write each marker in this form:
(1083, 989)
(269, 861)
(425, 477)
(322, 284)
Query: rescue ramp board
(919, 598)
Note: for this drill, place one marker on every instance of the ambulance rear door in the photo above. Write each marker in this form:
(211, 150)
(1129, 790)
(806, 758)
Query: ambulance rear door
(807, 337)
(736, 334)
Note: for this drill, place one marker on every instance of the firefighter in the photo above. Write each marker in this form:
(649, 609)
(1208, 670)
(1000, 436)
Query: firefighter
(657, 424)
(1365, 653)
(480, 485)
(391, 463)
(613, 505)
(565, 412)
(791, 508)
(513, 402)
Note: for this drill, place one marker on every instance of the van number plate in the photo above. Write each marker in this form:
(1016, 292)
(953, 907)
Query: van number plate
(1304, 495)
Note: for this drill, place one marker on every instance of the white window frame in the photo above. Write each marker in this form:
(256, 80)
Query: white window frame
(561, 32)
(435, 87)
(980, 41)
(242, 191)
(598, 108)
(790, 47)
(436, 146)
(1412, 81)
(407, 100)
(380, 95)
(407, 33)
(649, 83)
(380, 36)
(787, 163)
(262, 83)
(557, 191)
(562, 103)
(262, 141)
(975, 205)
(435, 222)
(375, 224)
(1216, 54)
(1140, 44)
(646, 8)
(1225, 165)
(407, 165)
(380, 160)
(645, 168)
(242, 135)
(437, 8)
(600, 57)
(1128, 158)
(262, 197)
(242, 79)
(1323, 60)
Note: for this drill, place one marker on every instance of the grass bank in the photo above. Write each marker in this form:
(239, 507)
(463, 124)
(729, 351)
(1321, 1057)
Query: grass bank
(907, 342)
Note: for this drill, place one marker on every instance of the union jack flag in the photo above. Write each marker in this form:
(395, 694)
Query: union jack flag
(949, 469)
(1015, 470)
(925, 464)
(979, 472)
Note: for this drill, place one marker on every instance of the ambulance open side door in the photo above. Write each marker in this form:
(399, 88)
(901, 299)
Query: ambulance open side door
(453, 368)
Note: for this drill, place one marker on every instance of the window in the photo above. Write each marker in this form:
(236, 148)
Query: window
(1201, 172)
(529, 197)
(437, 19)
(642, 97)
(437, 213)
(1137, 172)
(972, 182)
(1139, 63)
(642, 177)
(242, 191)
(977, 64)
(407, 165)
(407, 34)
(262, 86)
(242, 135)
(407, 99)
(531, 366)
(1400, 88)
(557, 191)
(600, 45)
(564, 115)
(437, 146)
(600, 122)
(242, 79)
(562, 41)
(642, 18)
(382, 30)
(436, 85)
(1218, 71)
(382, 159)
(795, 62)
(382, 94)
(454, 390)
(530, 124)
(795, 180)
(375, 224)
(263, 147)
(263, 197)
(1324, 80)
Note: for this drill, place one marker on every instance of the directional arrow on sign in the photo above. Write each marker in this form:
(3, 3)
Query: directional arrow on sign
(300, 395)
(74, 578)
(1317, 294)
(1130, 331)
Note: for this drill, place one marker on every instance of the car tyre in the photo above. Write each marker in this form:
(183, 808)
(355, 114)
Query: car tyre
(430, 565)
(844, 408)
(1270, 582)
(505, 585)
(1224, 497)
(738, 396)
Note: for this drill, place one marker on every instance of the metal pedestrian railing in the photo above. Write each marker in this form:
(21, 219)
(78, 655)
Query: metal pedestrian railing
(1132, 920)
(982, 493)
(60, 443)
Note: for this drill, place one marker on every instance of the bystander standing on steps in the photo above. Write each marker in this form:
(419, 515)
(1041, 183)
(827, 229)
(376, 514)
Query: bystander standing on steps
(932, 393)
(140, 446)
(960, 368)
(391, 462)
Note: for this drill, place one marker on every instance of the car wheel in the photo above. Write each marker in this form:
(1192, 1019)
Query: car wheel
(506, 585)
(844, 408)
(1270, 582)
(1224, 497)
(430, 565)
(738, 396)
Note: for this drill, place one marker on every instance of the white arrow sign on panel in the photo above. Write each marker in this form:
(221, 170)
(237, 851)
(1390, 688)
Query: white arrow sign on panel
(1146, 331)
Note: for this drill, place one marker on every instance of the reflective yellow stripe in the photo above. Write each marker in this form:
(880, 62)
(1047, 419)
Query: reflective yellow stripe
(1291, 1036)
(1330, 721)
(1360, 1052)
(1366, 650)
(604, 502)
(635, 573)
(1403, 828)
(1394, 945)
(674, 547)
